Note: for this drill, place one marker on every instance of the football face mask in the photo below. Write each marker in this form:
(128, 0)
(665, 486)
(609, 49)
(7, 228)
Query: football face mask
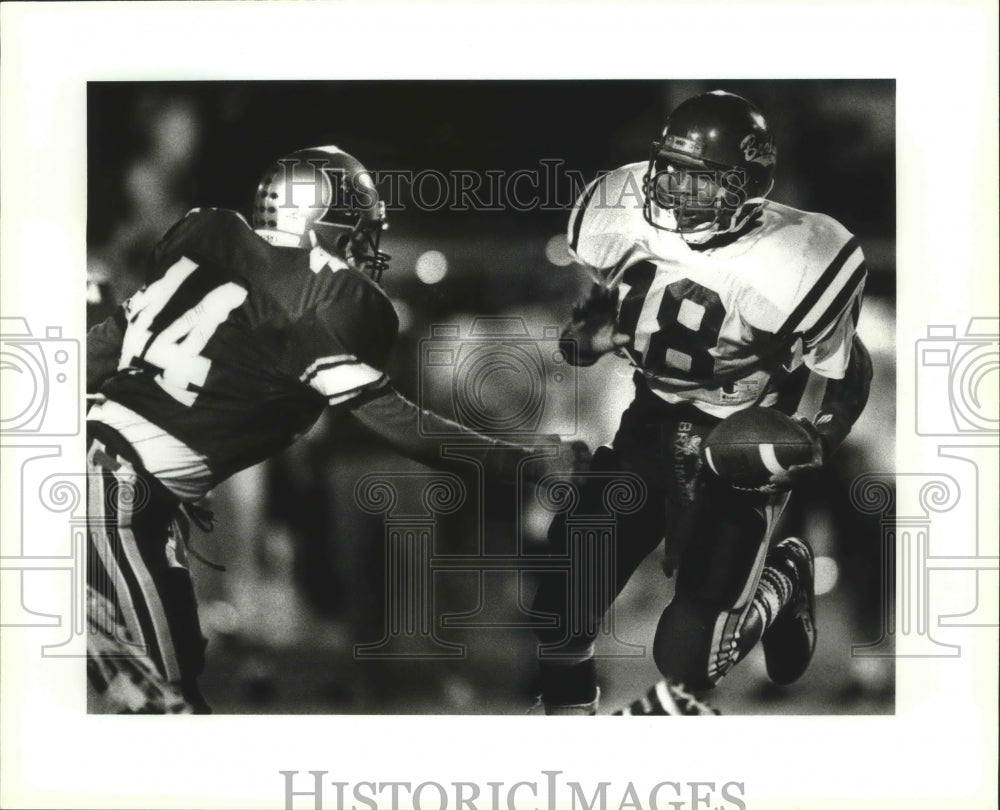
(693, 200)
(711, 168)
(324, 194)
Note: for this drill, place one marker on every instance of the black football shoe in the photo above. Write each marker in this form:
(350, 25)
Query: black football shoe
(790, 641)
(666, 698)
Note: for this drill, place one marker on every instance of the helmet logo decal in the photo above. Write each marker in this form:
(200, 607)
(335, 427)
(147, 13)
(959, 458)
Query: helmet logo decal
(758, 151)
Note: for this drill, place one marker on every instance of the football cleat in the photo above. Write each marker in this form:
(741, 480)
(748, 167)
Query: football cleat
(790, 641)
(666, 698)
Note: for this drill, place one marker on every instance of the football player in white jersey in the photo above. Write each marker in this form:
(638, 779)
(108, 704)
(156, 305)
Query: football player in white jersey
(721, 299)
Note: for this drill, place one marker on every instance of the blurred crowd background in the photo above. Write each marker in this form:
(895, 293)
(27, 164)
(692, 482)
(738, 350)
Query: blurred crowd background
(306, 566)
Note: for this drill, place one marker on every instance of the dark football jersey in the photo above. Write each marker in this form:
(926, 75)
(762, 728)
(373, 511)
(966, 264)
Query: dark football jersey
(234, 348)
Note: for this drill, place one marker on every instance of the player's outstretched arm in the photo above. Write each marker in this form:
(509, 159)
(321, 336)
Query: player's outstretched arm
(420, 435)
(843, 403)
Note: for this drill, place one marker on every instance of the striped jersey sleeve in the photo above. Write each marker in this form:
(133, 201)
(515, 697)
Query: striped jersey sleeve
(577, 217)
(346, 340)
(826, 316)
(343, 377)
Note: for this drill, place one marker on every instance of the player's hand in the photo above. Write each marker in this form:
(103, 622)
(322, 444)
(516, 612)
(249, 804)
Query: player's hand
(593, 326)
(797, 473)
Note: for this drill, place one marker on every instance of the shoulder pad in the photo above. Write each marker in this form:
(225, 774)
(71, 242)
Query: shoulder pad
(606, 219)
(833, 275)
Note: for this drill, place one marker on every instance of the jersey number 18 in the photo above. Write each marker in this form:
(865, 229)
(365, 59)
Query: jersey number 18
(674, 326)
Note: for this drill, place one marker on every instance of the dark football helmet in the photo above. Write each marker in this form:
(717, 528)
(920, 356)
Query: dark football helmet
(711, 168)
(323, 194)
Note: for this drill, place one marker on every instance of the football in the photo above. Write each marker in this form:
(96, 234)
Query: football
(747, 448)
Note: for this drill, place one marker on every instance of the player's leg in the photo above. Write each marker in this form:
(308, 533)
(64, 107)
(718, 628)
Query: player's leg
(580, 597)
(136, 563)
(781, 615)
(730, 588)
(568, 674)
(785, 610)
(716, 615)
(120, 678)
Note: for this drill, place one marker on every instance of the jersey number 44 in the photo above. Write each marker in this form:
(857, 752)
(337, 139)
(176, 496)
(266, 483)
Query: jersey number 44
(170, 322)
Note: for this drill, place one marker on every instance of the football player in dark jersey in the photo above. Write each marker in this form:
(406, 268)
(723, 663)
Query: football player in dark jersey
(721, 299)
(241, 337)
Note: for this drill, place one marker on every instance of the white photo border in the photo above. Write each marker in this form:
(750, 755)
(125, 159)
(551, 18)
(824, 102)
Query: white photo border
(939, 749)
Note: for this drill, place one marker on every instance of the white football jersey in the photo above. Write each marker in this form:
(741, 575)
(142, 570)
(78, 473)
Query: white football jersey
(714, 326)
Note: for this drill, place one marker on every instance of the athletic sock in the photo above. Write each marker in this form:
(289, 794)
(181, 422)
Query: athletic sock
(774, 592)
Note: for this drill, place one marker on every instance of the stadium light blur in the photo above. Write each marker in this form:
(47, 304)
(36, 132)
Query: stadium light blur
(219, 617)
(432, 266)
(827, 574)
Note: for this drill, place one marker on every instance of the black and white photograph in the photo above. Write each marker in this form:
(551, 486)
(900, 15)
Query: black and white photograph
(383, 385)
(489, 512)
